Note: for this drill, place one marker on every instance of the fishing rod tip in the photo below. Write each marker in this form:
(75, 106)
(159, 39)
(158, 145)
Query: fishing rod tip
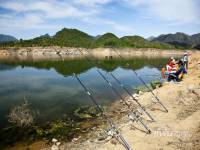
(149, 132)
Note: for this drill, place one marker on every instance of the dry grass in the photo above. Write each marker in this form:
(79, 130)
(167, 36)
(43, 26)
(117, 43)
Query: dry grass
(21, 116)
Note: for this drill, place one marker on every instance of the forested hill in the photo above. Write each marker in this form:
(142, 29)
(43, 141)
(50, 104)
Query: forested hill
(76, 38)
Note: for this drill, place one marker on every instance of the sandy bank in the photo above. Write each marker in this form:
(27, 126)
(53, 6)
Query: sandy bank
(41, 53)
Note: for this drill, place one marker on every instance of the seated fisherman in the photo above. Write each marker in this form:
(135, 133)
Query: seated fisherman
(178, 75)
(171, 65)
(170, 68)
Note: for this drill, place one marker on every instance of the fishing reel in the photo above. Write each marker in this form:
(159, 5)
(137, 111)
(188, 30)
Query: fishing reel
(140, 110)
(113, 133)
(134, 116)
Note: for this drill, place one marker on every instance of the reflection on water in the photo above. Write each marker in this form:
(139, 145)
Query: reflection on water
(52, 90)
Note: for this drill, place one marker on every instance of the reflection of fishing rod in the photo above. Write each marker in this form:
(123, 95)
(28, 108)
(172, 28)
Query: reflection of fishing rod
(158, 100)
(122, 86)
(155, 76)
(114, 129)
(134, 115)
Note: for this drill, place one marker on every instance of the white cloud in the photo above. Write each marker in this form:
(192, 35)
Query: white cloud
(174, 11)
(50, 9)
(29, 20)
(93, 3)
(115, 25)
(36, 14)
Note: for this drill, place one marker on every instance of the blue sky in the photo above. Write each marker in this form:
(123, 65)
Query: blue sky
(30, 18)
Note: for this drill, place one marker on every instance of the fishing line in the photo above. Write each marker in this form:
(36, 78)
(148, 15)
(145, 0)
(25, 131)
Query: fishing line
(143, 82)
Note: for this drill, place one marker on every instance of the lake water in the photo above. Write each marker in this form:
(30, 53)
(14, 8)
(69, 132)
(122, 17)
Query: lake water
(52, 90)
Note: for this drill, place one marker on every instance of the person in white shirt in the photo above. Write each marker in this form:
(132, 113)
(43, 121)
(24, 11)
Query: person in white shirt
(185, 60)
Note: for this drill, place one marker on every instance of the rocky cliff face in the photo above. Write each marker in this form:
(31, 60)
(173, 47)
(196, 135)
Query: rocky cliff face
(180, 40)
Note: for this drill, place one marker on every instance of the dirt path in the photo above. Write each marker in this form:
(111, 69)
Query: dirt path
(177, 129)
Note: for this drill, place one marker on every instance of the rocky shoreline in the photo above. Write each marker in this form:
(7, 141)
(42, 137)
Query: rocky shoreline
(42, 53)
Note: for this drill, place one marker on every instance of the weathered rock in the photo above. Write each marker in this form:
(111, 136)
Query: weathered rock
(85, 112)
(156, 84)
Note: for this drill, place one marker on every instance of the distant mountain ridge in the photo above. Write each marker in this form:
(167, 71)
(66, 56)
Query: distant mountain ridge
(151, 38)
(7, 38)
(180, 40)
(76, 38)
(45, 36)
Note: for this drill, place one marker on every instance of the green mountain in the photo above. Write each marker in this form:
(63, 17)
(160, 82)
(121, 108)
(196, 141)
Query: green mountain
(111, 40)
(135, 41)
(140, 42)
(65, 37)
(72, 38)
(108, 40)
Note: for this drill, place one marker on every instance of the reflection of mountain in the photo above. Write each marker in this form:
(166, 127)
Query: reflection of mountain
(135, 63)
(6, 67)
(78, 66)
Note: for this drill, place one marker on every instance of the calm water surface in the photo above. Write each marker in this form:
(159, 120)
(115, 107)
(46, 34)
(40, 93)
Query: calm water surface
(54, 93)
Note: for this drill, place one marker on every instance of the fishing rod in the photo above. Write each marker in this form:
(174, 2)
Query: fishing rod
(114, 129)
(123, 87)
(114, 132)
(130, 94)
(133, 115)
(158, 100)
